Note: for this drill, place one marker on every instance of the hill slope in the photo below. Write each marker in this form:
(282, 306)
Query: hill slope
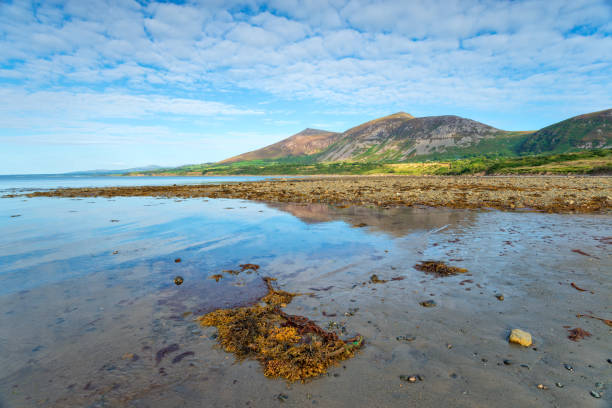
(589, 131)
(307, 142)
(398, 137)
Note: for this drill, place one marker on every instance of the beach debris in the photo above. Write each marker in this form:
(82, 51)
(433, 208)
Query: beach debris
(428, 303)
(287, 346)
(578, 251)
(216, 277)
(114, 220)
(177, 260)
(595, 394)
(507, 362)
(250, 266)
(166, 350)
(568, 367)
(559, 385)
(115, 252)
(439, 268)
(398, 278)
(573, 285)
(577, 334)
(178, 280)
(499, 297)
(182, 356)
(521, 337)
(15, 215)
(375, 279)
(542, 387)
(606, 321)
(609, 361)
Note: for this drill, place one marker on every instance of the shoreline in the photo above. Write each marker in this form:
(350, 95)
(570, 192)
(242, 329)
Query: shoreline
(564, 194)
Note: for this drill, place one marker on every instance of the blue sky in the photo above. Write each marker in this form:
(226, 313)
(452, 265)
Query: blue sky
(118, 84)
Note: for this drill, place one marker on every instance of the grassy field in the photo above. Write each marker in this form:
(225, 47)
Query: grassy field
(583, 162)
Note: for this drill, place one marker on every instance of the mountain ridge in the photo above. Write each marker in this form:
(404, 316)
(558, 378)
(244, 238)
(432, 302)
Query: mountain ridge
(402, 137)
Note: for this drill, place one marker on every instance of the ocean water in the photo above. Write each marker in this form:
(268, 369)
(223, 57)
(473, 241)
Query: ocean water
(86, 284)
(25, 182)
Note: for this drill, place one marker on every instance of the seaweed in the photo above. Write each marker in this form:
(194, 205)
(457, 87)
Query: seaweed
(439, 268)
(287, 346)
(375, 279)
(216, 277)
(606, 321)
(577, 334)
(250, 266)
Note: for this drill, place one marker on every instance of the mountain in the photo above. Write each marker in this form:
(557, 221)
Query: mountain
(589, 131)
(307, 142)
(107, 172)
(402, 137)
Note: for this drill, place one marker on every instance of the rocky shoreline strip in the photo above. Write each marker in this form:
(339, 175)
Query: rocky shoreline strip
(539, 193)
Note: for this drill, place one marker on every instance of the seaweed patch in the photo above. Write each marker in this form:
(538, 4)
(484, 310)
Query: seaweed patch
(439, 268)
(287, 346)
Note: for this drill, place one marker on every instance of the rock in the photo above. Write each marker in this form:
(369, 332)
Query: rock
(521, 337)
(568, 367)
(507, 362)
(178, 280)
(499, 297)
(559, 385)
(428, 303)
(542, 387)
(595, 394)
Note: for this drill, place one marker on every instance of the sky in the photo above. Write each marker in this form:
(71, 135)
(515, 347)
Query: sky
(121, 84)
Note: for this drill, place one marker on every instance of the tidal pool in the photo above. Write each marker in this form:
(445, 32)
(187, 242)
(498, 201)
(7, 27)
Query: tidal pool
(87, 301)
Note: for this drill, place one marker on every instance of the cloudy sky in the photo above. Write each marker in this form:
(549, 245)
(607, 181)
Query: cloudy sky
(116, 84)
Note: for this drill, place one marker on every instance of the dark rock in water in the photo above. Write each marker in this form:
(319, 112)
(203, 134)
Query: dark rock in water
(177, 260)
(428, 303)
(166, 350)
(178, 280)
(182, 356)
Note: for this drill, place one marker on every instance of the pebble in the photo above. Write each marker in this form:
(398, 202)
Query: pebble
(595, 394)
(405, 338)
(521, 337)
(499, 297)
(411, 378)
(282, 397)
(507, 362)
(609, 360)
(599, 386)
(428, 303)
(568, 367)
(542, 387)
(559, 385)
(178, 280)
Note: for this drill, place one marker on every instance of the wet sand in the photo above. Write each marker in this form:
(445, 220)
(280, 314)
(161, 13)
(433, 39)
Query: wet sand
(73, 343)
(541, 193)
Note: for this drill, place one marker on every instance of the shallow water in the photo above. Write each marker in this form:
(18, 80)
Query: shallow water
(73, 311)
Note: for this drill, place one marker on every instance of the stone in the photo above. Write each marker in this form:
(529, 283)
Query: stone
(521, 337)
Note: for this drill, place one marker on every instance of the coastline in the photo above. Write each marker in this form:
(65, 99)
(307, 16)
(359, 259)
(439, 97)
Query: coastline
(565, 194)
